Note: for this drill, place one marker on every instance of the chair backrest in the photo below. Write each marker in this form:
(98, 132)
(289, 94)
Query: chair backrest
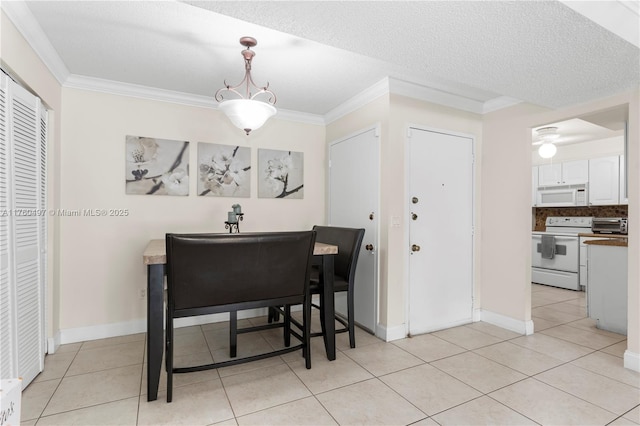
(206, 270)
(348, 241)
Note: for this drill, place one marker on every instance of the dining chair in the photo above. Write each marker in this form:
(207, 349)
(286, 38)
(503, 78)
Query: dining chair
(348, 241)
(212, 273)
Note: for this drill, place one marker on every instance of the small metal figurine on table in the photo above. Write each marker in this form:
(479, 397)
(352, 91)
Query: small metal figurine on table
(234, 218)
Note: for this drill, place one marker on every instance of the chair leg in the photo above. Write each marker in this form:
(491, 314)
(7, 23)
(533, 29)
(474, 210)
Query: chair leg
(287, 325)
(168, 357)
(306, 332)
(350, 319)
(233, 334)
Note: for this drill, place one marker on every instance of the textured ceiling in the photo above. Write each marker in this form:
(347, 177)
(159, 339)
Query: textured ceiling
(316, 55)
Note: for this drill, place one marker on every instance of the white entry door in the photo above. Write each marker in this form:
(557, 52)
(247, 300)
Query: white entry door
(440, 230)
(353, 203)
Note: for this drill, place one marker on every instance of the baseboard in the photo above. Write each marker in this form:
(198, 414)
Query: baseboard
(389, 334)
(632, 361)
(503, 321)
(53, 343)
(83, 334)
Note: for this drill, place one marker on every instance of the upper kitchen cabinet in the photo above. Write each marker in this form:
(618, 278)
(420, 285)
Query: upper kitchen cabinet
(623, 182)
(534, 186)
(566, 173)
(604, 181)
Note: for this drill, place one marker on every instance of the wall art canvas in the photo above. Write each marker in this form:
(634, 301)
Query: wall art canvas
(224, 170)
(280, 174)
(156, 166)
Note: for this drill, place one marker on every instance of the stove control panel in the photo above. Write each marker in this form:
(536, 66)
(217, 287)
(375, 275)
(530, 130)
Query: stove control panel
(569, 221)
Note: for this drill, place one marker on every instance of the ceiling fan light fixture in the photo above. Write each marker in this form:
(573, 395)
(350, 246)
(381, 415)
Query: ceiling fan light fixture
(547, 150)
(548, 134)
(245, 111)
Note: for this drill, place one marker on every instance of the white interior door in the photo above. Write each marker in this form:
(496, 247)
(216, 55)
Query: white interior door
(353, 203)
(440, 230)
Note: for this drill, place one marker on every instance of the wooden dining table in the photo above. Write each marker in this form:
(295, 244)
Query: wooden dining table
(155, 258)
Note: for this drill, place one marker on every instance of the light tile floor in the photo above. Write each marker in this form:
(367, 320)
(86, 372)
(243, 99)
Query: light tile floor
(568, 372)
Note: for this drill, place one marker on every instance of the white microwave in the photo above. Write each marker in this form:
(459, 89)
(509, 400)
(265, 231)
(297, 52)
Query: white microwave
(573, 195)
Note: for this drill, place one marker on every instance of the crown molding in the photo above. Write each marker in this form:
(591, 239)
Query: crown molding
(151, 93)
(428, 94)
(18, 12)
(358, 101)
(499, 103)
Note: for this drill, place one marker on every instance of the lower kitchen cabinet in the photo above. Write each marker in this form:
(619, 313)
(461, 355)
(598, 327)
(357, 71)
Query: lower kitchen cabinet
(607, 288)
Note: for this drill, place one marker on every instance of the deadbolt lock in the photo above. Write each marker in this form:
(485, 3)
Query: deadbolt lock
(414, 200)
(414, 216)
(371, 216)
(369, 247)
(415, 247)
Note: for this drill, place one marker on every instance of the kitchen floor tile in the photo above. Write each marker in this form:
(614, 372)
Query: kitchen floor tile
(547, 405)
(327, 375)
(428, 347)
(107, 357)
(182, 379)
(429, 389)
(556, 348)
(259, 389)
(381, 358)
(36, 397)
(617, 349)
(569, 308)
(482, 411)
(582, 337)
(540, 324)
(493, 330)
(606, 393)
(633, 415)
(547, 313)
(519, 358)
(55, 366)
(89, 389)
(466, 337)
(123, 412)
(201, 403)
(478, 372)
(369, 403)
(101, 343)
(610, 366)
(307, 411)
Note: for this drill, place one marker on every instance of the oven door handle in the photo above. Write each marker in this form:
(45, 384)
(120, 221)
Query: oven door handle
(561, 250)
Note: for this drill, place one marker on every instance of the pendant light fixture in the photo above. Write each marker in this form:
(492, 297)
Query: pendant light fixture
(245, 112)
(548, 135)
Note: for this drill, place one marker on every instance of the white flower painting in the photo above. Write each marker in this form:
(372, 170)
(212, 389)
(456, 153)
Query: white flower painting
(156, 166)
(280, 174)
(224, 170)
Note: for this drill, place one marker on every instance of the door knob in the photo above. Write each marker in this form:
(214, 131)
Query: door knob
(371, 216)
(414, 200)
(414, 216)
(369, 247)
(415, 247)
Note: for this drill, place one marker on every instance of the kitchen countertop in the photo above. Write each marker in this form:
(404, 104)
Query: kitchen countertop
(610, 236)
(618, 242)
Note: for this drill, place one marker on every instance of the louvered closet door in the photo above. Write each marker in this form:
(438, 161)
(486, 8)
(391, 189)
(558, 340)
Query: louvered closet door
(26, 234)
(8, 342)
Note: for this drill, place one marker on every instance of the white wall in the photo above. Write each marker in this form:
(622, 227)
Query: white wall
(101, 270)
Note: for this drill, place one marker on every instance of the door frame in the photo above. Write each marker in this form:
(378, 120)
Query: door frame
(475, 309)
(377, 131)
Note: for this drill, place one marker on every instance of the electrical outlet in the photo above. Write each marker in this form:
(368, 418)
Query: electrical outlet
(143, 293)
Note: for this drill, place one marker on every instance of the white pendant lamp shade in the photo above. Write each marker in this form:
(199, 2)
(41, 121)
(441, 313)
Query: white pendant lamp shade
(244, 111)
(247, 114)
(547, 150)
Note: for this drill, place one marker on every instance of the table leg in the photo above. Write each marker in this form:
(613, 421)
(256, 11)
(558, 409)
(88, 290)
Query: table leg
(328, 307)
(155, 315)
